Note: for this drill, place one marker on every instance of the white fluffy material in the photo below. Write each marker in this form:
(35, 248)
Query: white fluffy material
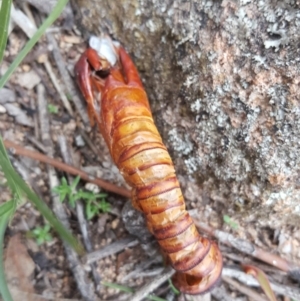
(105, 47)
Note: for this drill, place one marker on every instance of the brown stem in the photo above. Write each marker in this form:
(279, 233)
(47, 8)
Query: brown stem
(19, 150)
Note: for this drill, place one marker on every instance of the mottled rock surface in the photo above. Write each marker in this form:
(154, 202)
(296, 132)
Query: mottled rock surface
(223, 81)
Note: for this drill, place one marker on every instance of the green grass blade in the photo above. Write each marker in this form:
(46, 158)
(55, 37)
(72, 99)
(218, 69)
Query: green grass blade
(4, 291)
(7, 207)
(10, 173)
(29, 45)
(4, 22)
(10, 181)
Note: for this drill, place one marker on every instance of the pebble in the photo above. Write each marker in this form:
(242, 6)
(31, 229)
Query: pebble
(79, 141)
(2, 109)
(28, 79)
(7, 95)
(92, 187)
(115, 223)
(26, 68)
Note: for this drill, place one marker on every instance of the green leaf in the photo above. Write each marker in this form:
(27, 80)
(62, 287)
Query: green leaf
(4, 23)
(75, 183)
(104, 206)
(63, 190)
(227, 220)
(85, 195)
(4, 291)
(93, 207)
(72, 201)
(41, 234)
(90, 209)
(52, 109)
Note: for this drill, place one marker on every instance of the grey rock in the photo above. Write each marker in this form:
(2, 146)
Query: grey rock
(7, 95)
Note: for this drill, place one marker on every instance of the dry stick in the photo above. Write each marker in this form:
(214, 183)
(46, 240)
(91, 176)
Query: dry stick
(42, 74)
(19, 150)
(250, 249)
(249, 280)
(51, 74)
(148, 273)
(35, 119)
(79, 208)
(28, 12)
(23, 21)
(36, 143)
(85, 287)
(111, 249)
(69, 83)
(241, 259)
(244, 289)
(25, 172)
(141, 268)
(58, 88)
(149, 287)
(88, 141)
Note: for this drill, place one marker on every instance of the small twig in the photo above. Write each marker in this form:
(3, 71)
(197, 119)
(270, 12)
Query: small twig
(85, 287)
(19, 150)
(23, 22)
(28, 12)
(149, 287)
(140, 268)
(36, 143)
(29, 28)
(242, 259)
(83, 225)
(148, 273)
(244, 289)
(58, 88)
(42, 74)
(250, 249)
(35, 119)
(111, 249)
(87, 139)
(251, 281)
(69, 83)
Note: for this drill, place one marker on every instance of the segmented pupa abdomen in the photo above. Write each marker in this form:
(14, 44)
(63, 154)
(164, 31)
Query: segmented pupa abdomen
(138, 151)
